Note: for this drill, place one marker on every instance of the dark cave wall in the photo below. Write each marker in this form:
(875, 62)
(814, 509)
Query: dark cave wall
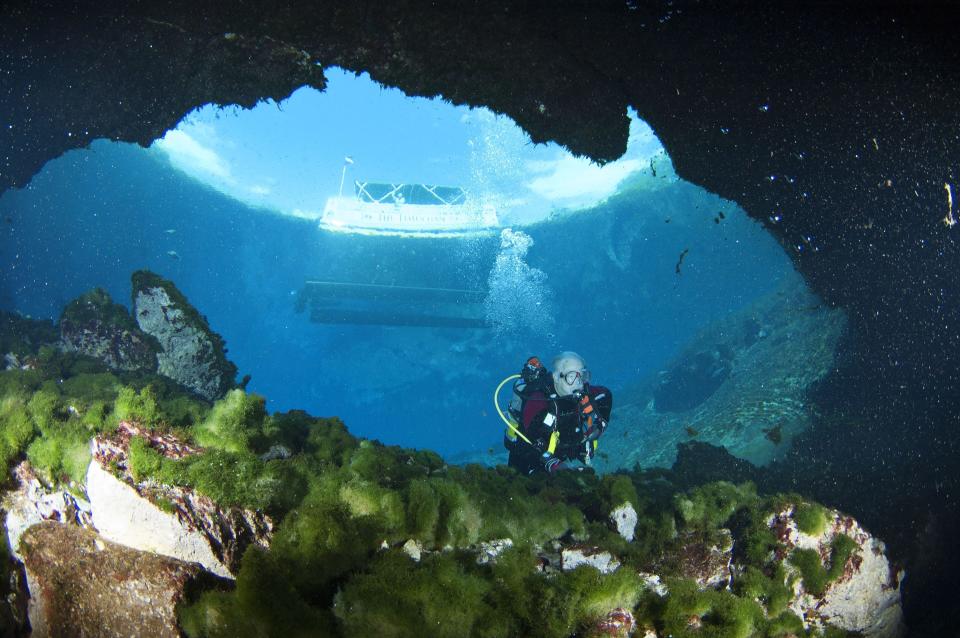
(835, 125)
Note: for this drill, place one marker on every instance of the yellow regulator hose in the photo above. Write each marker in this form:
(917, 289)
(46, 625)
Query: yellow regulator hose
(510, 424)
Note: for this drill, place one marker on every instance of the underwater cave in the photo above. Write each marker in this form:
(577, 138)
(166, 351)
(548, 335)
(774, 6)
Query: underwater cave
(785, 149)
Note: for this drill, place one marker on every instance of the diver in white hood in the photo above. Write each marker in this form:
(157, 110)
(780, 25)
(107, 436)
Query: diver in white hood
(558, 417)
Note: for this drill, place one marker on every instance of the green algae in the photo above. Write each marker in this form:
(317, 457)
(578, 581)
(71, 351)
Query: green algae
(16, 428)
(770, 590)
(437, 597)
(23, 336)
(97, 305)
(816, 577)
(61, 455)
(811, 518)
(689, 612)
(447, 594)
(19, 382)
(139, 407)
(262, 604)
(234, 423)
(711, 506)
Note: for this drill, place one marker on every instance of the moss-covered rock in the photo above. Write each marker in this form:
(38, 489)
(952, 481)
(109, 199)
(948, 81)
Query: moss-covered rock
(95, 326)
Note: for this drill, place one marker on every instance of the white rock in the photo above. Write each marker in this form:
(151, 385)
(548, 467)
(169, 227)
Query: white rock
(413, 549)
(624, 519)
(869, 601)
(121, 515)
(573, 557)
(490, 550)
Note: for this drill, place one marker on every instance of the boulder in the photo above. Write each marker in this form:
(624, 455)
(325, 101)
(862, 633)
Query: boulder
(742, 384)
(168, 520)
(83, 585)
(191, 353)
(414, 549)
(95, 326)
(864, 598)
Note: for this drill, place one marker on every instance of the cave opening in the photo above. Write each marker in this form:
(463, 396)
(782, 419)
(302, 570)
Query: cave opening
(671, 293)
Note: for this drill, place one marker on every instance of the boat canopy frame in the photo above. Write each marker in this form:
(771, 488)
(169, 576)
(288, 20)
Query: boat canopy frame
(402, 193)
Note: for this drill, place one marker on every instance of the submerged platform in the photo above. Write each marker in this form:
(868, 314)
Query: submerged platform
(337, 302)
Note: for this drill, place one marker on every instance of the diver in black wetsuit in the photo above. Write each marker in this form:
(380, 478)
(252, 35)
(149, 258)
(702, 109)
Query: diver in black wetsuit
(559, 416)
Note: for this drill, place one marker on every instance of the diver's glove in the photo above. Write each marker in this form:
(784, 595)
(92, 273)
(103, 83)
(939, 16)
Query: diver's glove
(552, 464)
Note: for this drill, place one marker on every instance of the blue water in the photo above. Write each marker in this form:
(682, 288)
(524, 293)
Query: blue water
(602, 283)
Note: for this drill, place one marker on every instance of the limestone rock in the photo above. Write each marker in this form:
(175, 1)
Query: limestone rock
(81, 585)
(624, 520)
(491, 550)
(168, 520)
(573, 557)
(192, 354)
(32, 503)
(865, 598)
(96, 326)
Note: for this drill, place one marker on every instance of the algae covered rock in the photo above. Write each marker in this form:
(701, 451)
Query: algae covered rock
(95, 326)
(166, 519)
(839, 572)
(83, 585)
(191, 353)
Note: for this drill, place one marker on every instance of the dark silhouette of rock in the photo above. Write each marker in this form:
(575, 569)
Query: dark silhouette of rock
(95, 326)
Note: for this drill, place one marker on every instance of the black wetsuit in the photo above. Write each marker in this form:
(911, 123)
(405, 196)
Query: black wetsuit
(542, 406)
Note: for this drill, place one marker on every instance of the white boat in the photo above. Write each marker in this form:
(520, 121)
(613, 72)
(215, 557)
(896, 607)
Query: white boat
(408, 210)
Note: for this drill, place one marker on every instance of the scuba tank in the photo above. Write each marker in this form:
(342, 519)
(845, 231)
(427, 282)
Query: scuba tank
(533, 377)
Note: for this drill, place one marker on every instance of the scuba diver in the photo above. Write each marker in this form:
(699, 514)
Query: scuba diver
(555, 418)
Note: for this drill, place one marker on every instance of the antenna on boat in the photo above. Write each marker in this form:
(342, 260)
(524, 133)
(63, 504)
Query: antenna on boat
(346, 160)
